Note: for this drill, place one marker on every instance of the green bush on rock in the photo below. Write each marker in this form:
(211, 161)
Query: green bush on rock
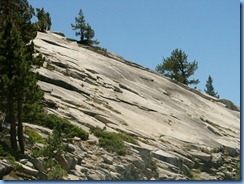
(113, 142)
(70, 130)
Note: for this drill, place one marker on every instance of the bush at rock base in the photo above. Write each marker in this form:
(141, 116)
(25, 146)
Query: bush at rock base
(113, 142)
(52, 120)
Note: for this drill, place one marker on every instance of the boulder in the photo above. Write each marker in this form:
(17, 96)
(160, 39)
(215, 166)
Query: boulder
(28, 170)
(68, 161)
(70, 148)
(5, 168)
(108, 159)
(95, 175)
(217, 159)
(168, 157)
(202, 156)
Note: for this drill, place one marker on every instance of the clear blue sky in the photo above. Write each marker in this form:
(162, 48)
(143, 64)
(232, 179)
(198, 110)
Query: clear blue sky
(145, 31)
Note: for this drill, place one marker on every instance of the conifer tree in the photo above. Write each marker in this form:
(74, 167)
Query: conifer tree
(209, 88)
(21, 13)
(178, 68)
(44, 20)
(84, 30)
(18, 83)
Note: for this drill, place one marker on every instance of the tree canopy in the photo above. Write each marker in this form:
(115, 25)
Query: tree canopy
(178, 68)
(209, 87)
(84, 30)
(19, 89)
(44, 20)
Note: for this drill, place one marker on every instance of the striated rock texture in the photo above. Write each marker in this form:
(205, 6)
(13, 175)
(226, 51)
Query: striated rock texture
(179, 129)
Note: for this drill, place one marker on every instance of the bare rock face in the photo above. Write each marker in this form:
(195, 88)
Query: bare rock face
(180, 130)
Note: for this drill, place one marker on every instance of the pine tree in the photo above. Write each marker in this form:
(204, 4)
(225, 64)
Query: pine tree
(209, 88)
(80, 25)
(178, 68)
(85, 31)
(21, 13)
(18, 82)
(10, 53)
(44, 20)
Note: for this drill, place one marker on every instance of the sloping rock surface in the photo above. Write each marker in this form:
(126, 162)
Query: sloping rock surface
(178, 128)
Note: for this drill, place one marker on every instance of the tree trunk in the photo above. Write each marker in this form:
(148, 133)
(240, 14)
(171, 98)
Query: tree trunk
(20, 128)
(11, 120)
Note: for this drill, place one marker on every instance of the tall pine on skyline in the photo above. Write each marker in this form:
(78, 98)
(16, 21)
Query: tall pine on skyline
(84, 30)
(209, 88)
(178, 68)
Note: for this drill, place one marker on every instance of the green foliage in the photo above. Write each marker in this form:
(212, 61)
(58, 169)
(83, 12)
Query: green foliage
(52, 152)
(50, 67)
(51, 121)
(21, 13)
(55, 146)
(178, 68)
(85, 31)
(34, 137)
(209, 88)
(56, 173)
(112, 141)
(194, 175)
(229, 104)
(44, 20)
(3, 152)
(17, 80)
(238, 171)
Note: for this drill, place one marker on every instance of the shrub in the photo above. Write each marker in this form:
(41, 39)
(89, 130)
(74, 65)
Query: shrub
(229, 104)
(112, 141)
(70, 130)
(52, 152)
(3, 152)
(113, 144)
(56, 173)
(50, 67)
(34, 137)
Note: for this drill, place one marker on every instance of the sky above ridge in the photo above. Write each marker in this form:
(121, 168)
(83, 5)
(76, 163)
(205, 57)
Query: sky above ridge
(146, 31)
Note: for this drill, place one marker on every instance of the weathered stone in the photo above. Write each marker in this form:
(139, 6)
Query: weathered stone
(202, 156)
(68, 162)
(70, 148)
(108, 159)
(28, 170)
(72, 177)
(95, 175)
(167, 157)
(82, 147)
(115, 176)
(29, 164)
(164, 174)
(80, 171)
(92, 142)
(5, 168)
(217, 159)
(23, 161)
(185, 170)
(120, 168)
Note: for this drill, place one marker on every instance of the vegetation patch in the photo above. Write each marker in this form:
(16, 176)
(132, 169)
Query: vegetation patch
(195, 174)
(229, 104)
(51, 121)
(71, 40)
(52, 152)
(50, 67)
(113, 142)
(34, 136)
